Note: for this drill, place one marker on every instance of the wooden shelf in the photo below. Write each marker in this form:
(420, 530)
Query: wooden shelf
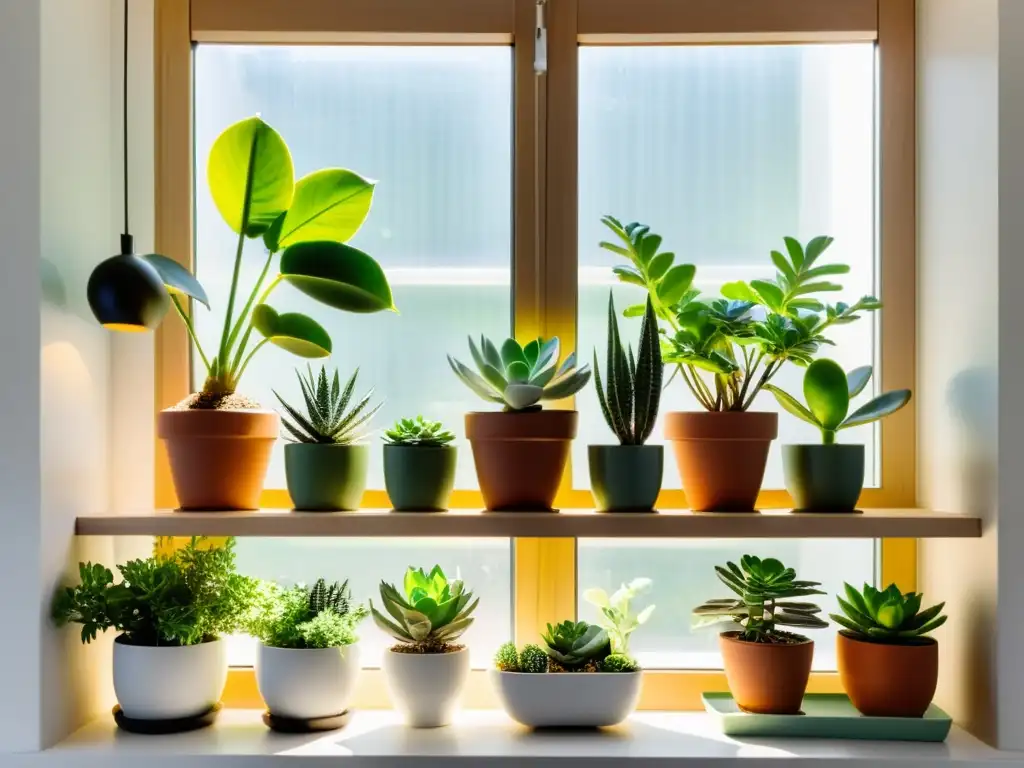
(874, 523)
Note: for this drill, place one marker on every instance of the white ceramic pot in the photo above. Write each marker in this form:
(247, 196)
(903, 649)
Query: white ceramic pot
(426, 687)
(169, 682)
(564, 699)
(308, 683)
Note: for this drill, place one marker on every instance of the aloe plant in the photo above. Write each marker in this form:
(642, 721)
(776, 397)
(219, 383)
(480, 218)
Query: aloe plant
(828, 391)
(328, 419)
(429, 614)
(630, 403)
(576, 644)
(521, 377)
(887, 616)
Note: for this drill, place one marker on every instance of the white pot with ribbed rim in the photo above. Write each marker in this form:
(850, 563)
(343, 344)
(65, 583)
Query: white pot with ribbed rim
(426, 687)
(567, 699)
(169, 682)
(307, 683)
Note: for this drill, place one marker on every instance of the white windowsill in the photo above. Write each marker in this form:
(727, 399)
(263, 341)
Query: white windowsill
(377, 738)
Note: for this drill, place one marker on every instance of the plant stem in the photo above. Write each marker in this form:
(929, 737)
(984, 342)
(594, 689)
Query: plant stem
(769, 371)
(706, 402)
(248, 305)
(249, 357)
(191, 331)
(248, 331)
(223, 352)
(749, 374)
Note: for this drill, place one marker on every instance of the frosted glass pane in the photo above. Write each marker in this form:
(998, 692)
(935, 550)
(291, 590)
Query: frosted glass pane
(434, 126)
(684, 577)
(723, 150)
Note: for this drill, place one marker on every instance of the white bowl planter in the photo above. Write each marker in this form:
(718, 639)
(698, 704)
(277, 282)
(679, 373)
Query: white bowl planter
(169, 682)
(307, 683)
(563, 699)
(426, 687)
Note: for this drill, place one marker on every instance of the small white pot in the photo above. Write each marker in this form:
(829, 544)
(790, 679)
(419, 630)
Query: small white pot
(169, 682)
(426, 687)
(564, 699)
(307, 683)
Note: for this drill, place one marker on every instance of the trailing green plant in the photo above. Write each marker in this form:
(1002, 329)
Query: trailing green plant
(576, 646)
(619, 662)
(630, 404)
(727, 349)
(429, 614)
(765, 589)
(188, 596)
(307, 223)
(616, 616)
(322, 616)
(418, 432)
(887, 616)
(328, 419)
(828, 391)
(507, 658)
(533, 659)
(521, 377)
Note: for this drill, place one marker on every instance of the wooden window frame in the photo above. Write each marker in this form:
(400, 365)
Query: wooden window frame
(545, 254)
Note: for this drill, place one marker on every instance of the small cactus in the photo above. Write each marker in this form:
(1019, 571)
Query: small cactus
(619, 662)
(533, 659)
(336, 597)
(506, 659)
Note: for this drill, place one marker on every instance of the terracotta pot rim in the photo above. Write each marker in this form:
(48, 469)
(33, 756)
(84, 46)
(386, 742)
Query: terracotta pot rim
(732, 637)
(234, 424)
(529, 425)
(926, 642)
(721, 425)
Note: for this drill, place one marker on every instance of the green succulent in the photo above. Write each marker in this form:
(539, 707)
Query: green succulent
(765, 588)
(619, 662)
(418, 432)
(574, 644)
(507, 659)
(887, 616)
(430, 614)
(533, 659)
(828, 391)
(328, 420)
(630, 405)
(322, 616)
(520, 377)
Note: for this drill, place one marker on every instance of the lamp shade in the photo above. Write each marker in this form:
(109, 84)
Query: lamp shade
(126, 293)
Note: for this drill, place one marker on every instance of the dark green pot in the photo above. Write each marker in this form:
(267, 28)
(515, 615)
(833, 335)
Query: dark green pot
(326, 478)
(626, 478)
(824, 478)
(419, 478)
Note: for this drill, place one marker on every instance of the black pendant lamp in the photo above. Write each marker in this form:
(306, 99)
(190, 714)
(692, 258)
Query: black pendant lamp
(126, 293)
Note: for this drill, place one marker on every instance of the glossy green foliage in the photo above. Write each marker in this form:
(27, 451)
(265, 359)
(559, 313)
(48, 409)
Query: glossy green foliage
(765, 590)
(338, 275)
(617, 616)
(574, 643)
(507, 658)
(418, 432)
(630, 401)
(328, 420)
(292, 331)
(520, 377)
(620, 662)
(322, 616)
(533, 659)
(887, 616)
(828, 391)
(430, 612)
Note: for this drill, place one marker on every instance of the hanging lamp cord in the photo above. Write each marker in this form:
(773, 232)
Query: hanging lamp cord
(124, 117)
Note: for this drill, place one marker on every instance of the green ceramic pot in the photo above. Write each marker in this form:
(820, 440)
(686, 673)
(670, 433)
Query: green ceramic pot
(419, 478)
(326, 478)
(824, 478)
(626, 478)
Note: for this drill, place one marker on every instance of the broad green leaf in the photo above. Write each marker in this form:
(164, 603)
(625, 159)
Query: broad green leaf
(676, 283)
(815, 248)
(792, 405)
(782, 264)
(826, 394)
(330, 204)
(857, 379)
(176, 278)
(337, 275)
(250, 176)
(637, 310)
(615, 249)
(518, 372)
(512, 352)
(629, 275)
(596, 596)
(660, 265)
(769, 292)
(650, 247)
(795, 251)
(881, 406)
(297, 333)
(521, 396)
(739, 291)
(531, 351)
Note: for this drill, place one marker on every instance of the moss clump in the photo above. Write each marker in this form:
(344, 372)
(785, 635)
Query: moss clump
(619, 662)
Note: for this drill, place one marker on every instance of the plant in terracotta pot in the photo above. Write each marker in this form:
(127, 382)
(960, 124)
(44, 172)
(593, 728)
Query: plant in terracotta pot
(218, 440)
(767, 668)
(727, 349)
(419, 465)
(426, 669)
(888, 665)
(325, 465)
(520, 452)
(170, 613)
(628, 476)
(307, 660)
(829, 477)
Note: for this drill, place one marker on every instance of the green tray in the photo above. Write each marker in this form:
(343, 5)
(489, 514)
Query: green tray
(826, 716)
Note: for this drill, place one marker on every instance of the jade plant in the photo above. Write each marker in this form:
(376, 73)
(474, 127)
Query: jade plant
(303, 227)
(520, 377)
(418, 432)
(428, 615)
(828, 391)
(765, 590)
(328, 420)
(322, 616)
(887, 616)
(630, 402)
(727, 349)
(616, 617)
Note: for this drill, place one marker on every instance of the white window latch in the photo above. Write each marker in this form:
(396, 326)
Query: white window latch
(540, 55)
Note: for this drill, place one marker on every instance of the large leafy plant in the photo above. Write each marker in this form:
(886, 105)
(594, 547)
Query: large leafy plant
(328, 420)
(429, 615)
(764, 590)
(887, 616)
(322, 616)
(302, 225)
(187, 596)
(828, 391)
(617, 618)
(727, 349)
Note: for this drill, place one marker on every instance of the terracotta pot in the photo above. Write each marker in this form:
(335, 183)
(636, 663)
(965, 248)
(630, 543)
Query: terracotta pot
(520, 457)
(888, 680)
(218, 458)
(721, 456)
(769, 679)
